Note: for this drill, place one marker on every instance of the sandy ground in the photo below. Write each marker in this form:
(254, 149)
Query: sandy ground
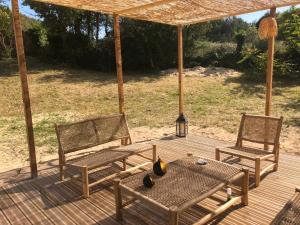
(12, 157)
(289, 142)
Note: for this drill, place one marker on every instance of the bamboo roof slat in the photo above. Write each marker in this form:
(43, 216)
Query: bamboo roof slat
(173, 12)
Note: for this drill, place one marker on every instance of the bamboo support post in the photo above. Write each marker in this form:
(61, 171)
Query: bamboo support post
(245, 186)
(118, 199)
(118, 54)
(24, 85)
(269, 80)
(180, 69)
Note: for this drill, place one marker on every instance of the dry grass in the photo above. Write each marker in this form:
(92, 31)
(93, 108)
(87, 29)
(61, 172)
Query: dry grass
(66, 95)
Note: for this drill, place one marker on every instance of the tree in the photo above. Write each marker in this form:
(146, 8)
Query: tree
(6, 33)
(290, 30)
(240, 38)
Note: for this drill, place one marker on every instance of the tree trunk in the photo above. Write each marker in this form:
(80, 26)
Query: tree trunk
(89, 27)
(77, 26)
(97, 26)
(106, 25)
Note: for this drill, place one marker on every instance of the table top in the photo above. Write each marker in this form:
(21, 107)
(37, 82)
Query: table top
(184, 181)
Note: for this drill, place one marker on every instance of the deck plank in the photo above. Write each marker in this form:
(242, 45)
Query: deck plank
(11, 211)
(39, 201)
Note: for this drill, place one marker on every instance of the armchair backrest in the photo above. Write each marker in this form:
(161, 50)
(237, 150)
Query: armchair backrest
(260, 129)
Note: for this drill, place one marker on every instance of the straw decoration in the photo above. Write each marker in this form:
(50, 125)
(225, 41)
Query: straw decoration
(267, 28)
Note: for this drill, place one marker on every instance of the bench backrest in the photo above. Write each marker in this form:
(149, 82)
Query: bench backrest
(91, 132)
(260, 129)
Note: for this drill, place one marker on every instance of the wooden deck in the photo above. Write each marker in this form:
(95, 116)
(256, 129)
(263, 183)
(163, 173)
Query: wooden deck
(42, 201)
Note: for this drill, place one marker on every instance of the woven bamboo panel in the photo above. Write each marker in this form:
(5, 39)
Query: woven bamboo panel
(174, 12)
(290, 214)
(260, 129)
(92, 132)
(185, 180)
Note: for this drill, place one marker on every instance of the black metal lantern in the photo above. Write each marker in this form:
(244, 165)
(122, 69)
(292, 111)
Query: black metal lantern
(181, 126)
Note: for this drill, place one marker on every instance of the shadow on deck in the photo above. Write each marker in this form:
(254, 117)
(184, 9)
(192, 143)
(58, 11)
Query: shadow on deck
(46, 201)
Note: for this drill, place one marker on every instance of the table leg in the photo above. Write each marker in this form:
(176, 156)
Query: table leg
(257, 172)
(118, 199)
(173, 216)
(217, 156)
(154, 152)
(245, 186)
(85, 182)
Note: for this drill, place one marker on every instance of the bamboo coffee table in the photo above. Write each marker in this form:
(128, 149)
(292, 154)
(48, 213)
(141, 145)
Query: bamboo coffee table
(185, 184)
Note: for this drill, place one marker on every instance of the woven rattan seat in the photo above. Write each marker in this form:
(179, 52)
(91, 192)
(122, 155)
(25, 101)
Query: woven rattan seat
(259, 130)
(290, 214)
(246, 152)
(106, 156)
(89, 133)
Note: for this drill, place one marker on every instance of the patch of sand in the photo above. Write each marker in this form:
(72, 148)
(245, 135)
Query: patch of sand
(204, 72)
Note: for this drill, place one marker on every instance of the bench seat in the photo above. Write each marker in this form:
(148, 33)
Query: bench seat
(106, 156)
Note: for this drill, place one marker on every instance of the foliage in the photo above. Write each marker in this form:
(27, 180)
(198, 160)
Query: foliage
(290, 30)
(257, 61)
(6, 34)
(224, 30)
(213, 54)
(240, 38)
(85, 39)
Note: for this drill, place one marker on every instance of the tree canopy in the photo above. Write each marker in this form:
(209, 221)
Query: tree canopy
(85, 39)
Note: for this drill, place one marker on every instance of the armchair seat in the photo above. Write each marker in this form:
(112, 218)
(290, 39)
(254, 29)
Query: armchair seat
(246, 152)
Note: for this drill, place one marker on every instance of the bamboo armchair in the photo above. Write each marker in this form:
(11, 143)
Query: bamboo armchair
(290, 214)
(90, 133)
(263, 130)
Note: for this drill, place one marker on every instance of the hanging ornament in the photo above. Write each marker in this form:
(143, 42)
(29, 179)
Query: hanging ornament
(159, 167)
(148, 181)
(267, 28)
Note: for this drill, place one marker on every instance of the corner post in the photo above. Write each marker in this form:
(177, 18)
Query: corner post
(180, 68)
(269, 80)
(118, 54)
(24, 85)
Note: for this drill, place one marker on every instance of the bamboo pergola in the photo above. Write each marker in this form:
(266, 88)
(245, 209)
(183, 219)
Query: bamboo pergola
(172, 12)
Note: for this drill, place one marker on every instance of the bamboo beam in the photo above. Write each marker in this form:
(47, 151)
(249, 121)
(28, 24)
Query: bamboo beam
(180, 69)
(118, 54)
(269, 79)
(24, 85)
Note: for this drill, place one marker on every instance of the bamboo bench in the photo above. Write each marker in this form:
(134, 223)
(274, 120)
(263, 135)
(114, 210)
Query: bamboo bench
(83, 135)
(290, 214)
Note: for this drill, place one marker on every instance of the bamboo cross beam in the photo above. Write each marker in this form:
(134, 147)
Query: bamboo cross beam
(118, 54)
(24, 85)
(180, 69)
(269, 79)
